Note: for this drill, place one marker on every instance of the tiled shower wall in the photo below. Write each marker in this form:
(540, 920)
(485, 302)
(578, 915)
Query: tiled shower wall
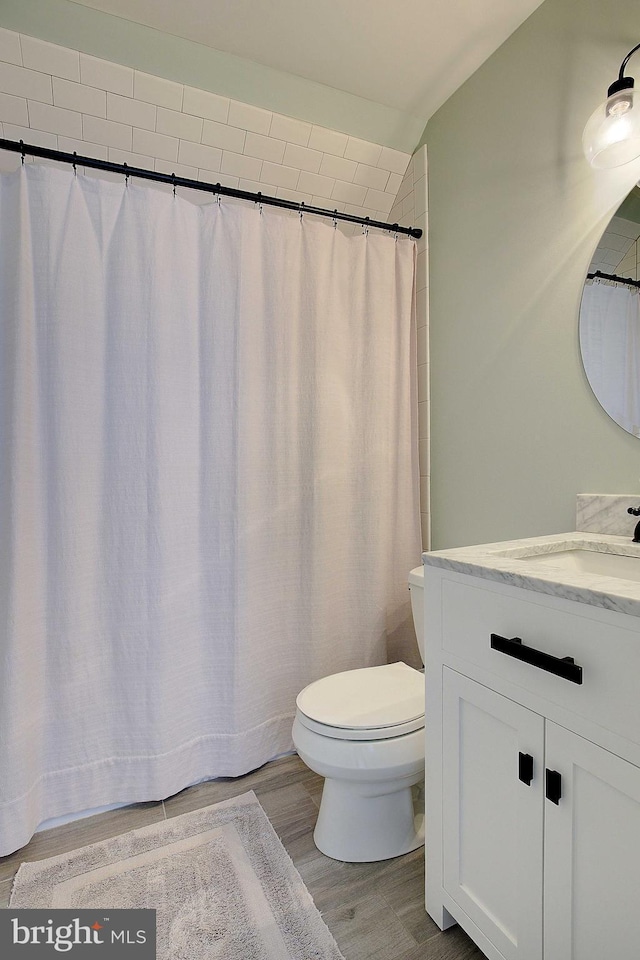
(59, 98)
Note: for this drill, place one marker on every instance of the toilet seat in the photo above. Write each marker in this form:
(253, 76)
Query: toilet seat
(371, 703)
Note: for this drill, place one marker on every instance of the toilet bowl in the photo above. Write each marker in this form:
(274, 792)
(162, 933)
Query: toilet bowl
(363, 731)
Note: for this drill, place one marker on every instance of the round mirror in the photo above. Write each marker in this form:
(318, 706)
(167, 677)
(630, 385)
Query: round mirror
(610, 317)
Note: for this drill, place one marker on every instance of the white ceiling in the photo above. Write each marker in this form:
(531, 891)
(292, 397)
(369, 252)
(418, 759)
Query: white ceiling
(410, 55)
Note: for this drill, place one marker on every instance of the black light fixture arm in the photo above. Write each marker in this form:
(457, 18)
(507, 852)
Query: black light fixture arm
(623, 83)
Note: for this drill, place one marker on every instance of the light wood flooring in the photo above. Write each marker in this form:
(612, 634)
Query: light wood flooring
(374, 910)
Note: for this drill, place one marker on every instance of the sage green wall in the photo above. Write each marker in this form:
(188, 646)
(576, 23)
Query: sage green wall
(515, 213)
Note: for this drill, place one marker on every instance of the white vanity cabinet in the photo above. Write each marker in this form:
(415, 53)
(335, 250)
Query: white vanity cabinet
(533, 778)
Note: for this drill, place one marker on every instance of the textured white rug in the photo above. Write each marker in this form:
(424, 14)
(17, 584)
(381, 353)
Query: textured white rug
(222, 884)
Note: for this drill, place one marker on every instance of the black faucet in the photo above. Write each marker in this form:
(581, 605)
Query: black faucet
(635, 511)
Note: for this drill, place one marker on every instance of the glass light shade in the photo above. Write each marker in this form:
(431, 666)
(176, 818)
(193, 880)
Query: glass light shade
(612, 134)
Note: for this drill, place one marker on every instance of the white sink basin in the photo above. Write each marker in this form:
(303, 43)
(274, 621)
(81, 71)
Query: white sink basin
(590, 562)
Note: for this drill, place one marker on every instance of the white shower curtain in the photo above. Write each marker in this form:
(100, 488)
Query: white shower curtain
(208, 473)
(610, 345)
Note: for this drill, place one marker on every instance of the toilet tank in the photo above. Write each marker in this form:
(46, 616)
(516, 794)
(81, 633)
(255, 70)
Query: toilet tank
(416, 588)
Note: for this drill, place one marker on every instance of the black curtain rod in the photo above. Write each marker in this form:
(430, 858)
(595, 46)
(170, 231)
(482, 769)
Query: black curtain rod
(598, 275)
(28, 149)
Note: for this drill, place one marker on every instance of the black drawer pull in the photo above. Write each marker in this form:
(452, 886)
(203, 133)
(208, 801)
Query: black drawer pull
(525, 768)
(562, 666)
(553, 786)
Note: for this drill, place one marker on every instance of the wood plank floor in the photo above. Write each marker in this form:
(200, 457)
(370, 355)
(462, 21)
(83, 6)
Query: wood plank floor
(374, 910)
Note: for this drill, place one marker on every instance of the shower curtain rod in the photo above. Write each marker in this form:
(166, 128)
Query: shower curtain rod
(598, 275)
(28, 149)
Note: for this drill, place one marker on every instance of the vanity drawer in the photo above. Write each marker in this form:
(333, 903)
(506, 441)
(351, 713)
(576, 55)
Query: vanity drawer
(607, 652)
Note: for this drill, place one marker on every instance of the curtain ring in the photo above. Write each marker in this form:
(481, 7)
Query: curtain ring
(75, 169)
(22, 151)
(335, 219)
(259, 202)
(217, 193)
(301, 210)
(173, 181)
(365, 227)
(126, 175)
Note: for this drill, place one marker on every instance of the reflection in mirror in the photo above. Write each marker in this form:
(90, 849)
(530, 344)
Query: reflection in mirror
(610, 317)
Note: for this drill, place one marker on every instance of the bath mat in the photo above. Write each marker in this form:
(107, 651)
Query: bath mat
(222, 884)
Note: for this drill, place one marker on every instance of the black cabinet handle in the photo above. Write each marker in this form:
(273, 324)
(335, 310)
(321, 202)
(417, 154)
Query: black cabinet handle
(553, 786)
(525, 768)
(564, 667)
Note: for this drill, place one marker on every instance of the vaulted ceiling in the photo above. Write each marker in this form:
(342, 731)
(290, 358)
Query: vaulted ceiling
(410, 55)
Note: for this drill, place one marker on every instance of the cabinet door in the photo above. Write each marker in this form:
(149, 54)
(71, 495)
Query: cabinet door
(492, 820)
(592, 853)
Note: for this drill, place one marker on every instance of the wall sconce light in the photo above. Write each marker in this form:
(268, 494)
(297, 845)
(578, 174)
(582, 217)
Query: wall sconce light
(612, 134)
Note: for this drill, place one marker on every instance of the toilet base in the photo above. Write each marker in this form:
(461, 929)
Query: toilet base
(362, 822)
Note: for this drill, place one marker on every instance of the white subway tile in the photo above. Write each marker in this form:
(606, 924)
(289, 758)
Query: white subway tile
(322, 202)
(406, 186)
(393, 160)
(56, 120)
(393, 183)
(421, 270)
(221, 135)
(422, 308)
(338, 168)
(49, 58)
(395, 214)
(249, 118)
(106, 75)
(328, 141)
(237, 165)
(420, 195)
(379, 200)
(14, 109)
(20, 82)
(137, 113)
(293, 131)
(155, 145)
(199, 155)
(362, 151)
(279, 175)
(82, 147)
(211, 176)
(180, 169)
(349, 192)
(10, 50)
(251, 186)
(201, 103)
(359, 211)
(179, 125)
(420, 162)
(374, 177)
(157, 90)
(314, 183)
(131, 159)
(297, 196)
(37, 137)
(108, 132)
(77, 96)
(264, 148)
(302, 158)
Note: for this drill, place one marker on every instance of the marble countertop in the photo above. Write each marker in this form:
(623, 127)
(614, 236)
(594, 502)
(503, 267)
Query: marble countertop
(516, 562)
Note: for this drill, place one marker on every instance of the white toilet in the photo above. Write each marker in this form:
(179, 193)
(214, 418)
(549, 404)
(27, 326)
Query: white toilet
(363, 731)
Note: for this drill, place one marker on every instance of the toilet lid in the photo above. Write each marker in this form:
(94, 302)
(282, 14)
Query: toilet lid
(370, 698)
